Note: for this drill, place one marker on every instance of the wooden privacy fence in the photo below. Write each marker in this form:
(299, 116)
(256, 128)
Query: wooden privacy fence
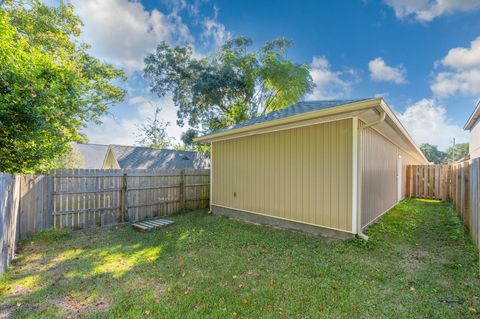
(428, 181)
(459, 183)
(80, 198)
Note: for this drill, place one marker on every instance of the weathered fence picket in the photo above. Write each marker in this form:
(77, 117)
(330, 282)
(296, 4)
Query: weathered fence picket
(84, 198)
(9, 201)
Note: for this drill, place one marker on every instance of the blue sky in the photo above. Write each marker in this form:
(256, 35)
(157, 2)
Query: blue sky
(423, 56)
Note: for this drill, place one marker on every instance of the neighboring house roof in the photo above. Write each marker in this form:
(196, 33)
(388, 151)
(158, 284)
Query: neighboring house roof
(93, 154)
(146, 157)
(473, 119)
(301, 113)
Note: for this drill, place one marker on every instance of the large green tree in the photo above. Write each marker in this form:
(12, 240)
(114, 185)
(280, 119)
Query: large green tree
(451, 155)
(432, 153)
(454, 153)
(50, 86)
(233, 85)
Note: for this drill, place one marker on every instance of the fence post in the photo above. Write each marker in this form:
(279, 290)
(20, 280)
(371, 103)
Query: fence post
(123, 199)
(182, 190)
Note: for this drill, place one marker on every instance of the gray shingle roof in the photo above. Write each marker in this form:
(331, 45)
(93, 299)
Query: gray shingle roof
(93, 155)
(146, 157)
(292, 110)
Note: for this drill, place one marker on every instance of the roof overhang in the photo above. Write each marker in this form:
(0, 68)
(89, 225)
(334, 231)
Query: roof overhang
(473, 119)
(393, 130)
(344, 108)
(366, 110)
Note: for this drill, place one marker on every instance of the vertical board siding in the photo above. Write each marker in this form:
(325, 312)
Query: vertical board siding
(379, 174)
(9, 201)
(302, 174)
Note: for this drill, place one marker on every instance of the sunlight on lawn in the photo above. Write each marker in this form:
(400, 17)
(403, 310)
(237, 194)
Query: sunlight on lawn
(184, 235)
(65, 256)
(29, 282)
(427, 200)
(209, 267)
(117, 264)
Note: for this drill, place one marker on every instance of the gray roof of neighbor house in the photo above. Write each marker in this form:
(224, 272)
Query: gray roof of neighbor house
(146, 157)
(292, 110)
(93, 154)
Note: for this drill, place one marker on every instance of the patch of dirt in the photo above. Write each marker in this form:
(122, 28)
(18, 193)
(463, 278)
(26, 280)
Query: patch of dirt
(445, 283)
(411, 264)
(5, 313)
(74, 308)
(159, 289)
(413, 260)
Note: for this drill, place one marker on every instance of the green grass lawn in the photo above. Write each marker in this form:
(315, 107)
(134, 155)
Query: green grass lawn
(418, 263)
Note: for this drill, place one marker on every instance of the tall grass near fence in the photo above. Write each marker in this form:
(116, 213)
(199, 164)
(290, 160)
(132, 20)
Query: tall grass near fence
(459, 183)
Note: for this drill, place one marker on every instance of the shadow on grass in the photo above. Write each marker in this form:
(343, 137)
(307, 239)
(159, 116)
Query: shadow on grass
(205, 266)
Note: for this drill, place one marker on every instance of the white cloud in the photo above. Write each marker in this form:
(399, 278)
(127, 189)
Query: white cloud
(112, 131)
(380, 71)
(125, 130)
(461, 74)
(463, 82)
(427, 122)
(427, 10)
(329, 84)
(464, 58)
(123, 32)
(214, 30)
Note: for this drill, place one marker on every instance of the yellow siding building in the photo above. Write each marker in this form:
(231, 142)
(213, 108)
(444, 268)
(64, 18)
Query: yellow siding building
(474, 127)
(326, 167)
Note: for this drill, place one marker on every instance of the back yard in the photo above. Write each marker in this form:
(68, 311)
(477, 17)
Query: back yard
(418, 263)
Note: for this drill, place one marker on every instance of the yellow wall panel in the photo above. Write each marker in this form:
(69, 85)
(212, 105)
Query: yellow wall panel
(302, 174)
(380, 172)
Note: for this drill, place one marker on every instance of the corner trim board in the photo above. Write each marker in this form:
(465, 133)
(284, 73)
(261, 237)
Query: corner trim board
(355, 174)
(211, 176)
